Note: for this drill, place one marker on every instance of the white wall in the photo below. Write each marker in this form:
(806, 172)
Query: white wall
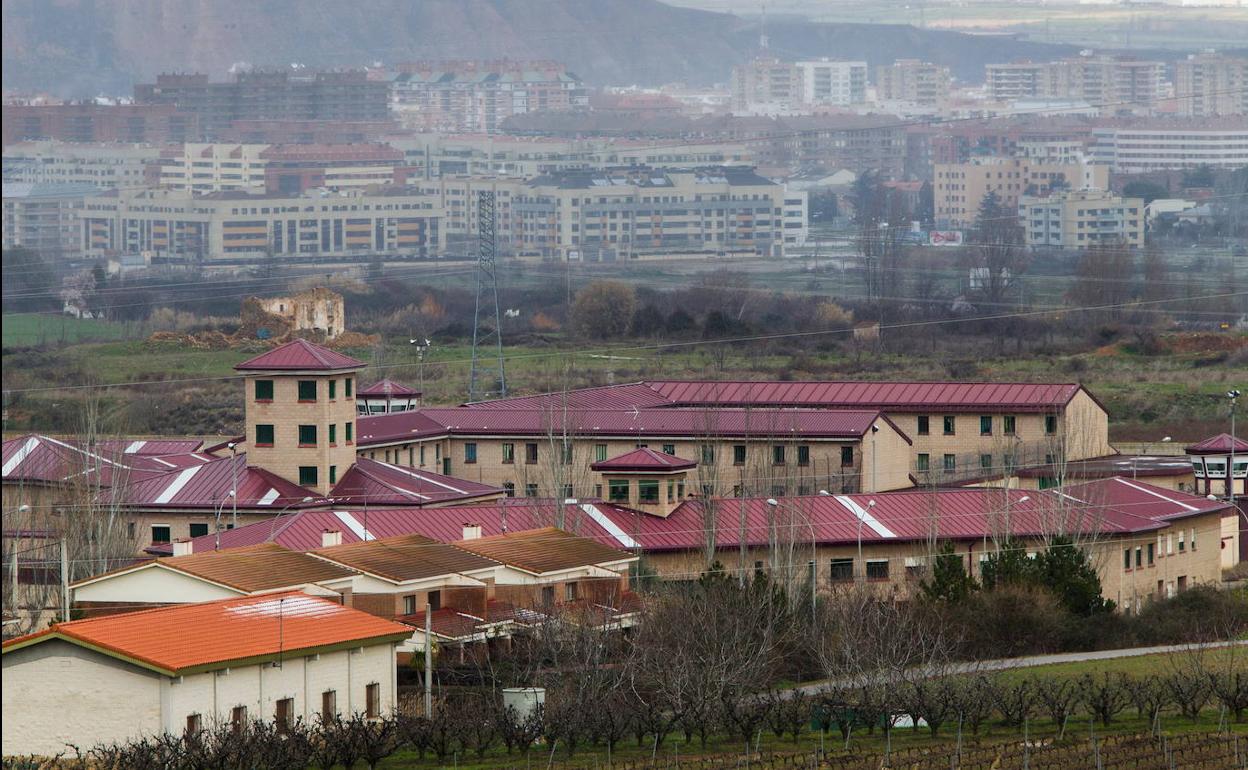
(57, 693)
(152, 585)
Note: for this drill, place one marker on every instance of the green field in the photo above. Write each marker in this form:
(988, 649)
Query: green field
(31, 329)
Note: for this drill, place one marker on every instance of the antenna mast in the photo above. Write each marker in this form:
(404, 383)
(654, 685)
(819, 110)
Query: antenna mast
(487, 320)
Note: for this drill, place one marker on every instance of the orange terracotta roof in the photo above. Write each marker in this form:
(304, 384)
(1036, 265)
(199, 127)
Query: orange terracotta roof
(405, 557)
(188, 638)
(544, 550)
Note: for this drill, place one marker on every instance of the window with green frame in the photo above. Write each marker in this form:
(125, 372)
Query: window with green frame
(307, 435)
(348, 429)
(333, 389)
(264, 390)
(923, 462)
(333, 474)
(648, 491)
(803, 455)
(333, 434)
(617, 491)
(600, 452)
(985, 425)
(264, 435)
(985, 462)
(669, 449)
(307, 390)
(346, 387)
(509, 453)
(307, 475)
(951, 463)
(1009, 424)
(1050, 424)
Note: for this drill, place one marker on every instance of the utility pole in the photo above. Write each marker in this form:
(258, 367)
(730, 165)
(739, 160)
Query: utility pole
(487, 319)
(428, 660)
(64, 580)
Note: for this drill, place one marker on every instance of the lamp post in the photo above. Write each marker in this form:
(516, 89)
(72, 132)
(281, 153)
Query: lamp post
(421, 349)
(229, 496)
(1233, 395)
(233, 486)
(814, 562)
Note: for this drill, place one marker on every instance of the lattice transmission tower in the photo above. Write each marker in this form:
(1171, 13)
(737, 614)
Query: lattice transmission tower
(486, 379)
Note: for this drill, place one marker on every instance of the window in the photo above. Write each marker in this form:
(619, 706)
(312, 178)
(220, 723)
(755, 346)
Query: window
(617, 491)
(841, 570)
(238, 718)
(264, 435)
(509, 488)
(130, 530)
(1191, 535)
(803, 455)
(924, 426)
(193, 725)
(1139, 557)
(669, 449)
(647, 491)
(372, 701)
(409, 604)
(600, 452)
(1182, 543)
(847, 457)
(738, 454)
(284, 715)
(434, 599)
(264, 390)
(329, 706)
(307, 390)
(333, 474)
(160, 533)
(569, 592)
(777, 455)
(307, 475)
(565, 456)
(877, 569)
(708, 454)
(1009, 425)
(950, 425)
(530, 490)
(548, 596)
(923, 463)
(985, 462)
(530, 454)
(333, 389)
(951, 463)
(307, 435)
(470, 453)
(333, 436)
(199, 530)
(348, 431)
(346, 387)
(1151, 554)
(985, 425)
(1050, 424)
(509, 454)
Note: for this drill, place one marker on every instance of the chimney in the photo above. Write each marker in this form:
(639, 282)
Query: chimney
(472, 531)
(330, 537)
(183, 548)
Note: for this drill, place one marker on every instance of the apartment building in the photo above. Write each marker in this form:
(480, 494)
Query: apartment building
(478, 96)
(132, 123)
(766, 85)
(45, 217)
(1081, 218)
(1210, 84)
(1158, 145)
(348, 95)
(640, 213)
(432, 155)
(913, 81)
(103, 165)
(796, 217)
(277, 169)
(237, 225)
(829, 82)
(1116, 84)
(959, 188)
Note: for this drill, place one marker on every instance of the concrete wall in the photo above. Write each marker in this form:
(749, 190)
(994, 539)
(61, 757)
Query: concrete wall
(57, 693)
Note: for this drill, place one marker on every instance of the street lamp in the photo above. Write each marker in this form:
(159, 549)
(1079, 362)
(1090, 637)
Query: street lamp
(1233, 395)
(814, 561)
(229, 496)
(421, 349)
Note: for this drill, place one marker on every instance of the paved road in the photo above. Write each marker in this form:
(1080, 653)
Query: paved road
(1002, 664)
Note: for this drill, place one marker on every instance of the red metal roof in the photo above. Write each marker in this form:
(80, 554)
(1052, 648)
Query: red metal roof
(626, 396)
(387, 387)
(209, 485)
(141, 446)
(644, 459)
(891, 396)
(370, 482)
(300, 355)
(633, 423)
(39, 459)
(1221, 444)
(188, 637)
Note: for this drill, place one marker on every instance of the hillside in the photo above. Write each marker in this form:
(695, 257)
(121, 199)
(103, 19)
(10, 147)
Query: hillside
(85, 47)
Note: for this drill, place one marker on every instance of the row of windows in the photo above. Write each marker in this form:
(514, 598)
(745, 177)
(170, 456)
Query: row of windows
(307, 389)
(307, 437)
(1165, 546)
(779, 453)
(949, 462)
(1009, 424)
(284, 711)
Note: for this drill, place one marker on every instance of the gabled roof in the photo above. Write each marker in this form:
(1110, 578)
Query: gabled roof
(299, 355)
(371, 482)
(406, 558)
(644, 459)
(387, 387)
(35, 458)
(153, 447)
(1221, 444)
(544, 550)
(251, 569)
(188, 638)
(209, 485)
